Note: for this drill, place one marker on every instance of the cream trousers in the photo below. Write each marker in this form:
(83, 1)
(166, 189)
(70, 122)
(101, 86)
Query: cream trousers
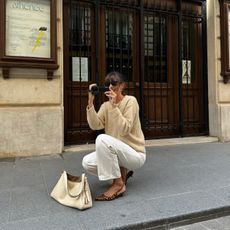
(110, 155)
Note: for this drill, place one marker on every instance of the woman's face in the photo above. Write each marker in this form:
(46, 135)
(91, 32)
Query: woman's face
(115, 85)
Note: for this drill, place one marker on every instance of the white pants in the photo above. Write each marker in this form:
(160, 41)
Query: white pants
(110, 155)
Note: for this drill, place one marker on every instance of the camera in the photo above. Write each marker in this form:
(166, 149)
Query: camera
(98, 89)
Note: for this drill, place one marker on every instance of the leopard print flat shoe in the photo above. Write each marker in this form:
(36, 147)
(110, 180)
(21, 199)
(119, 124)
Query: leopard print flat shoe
(118, 194)
(103, 197)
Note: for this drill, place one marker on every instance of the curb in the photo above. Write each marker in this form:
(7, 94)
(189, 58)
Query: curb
(179, 221)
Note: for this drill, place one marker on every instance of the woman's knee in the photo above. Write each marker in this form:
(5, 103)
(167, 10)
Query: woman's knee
(89, 164)
(101, 139)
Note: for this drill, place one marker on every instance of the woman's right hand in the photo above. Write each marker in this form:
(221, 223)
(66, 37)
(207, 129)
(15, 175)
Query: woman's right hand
(90, 96)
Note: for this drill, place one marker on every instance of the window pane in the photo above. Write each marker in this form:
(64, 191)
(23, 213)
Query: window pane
(188, 49)
(155, 45)
(119, 33)
(80, 43)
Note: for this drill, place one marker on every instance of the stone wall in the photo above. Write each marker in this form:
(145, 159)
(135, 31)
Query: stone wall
(31, 108)
(219, 93)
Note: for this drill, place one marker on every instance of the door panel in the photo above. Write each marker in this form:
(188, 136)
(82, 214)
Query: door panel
(121, 45)
(79, 68)
(192, 75)
(161, 75)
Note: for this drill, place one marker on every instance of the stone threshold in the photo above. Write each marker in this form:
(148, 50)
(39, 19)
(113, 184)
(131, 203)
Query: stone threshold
(150, 143)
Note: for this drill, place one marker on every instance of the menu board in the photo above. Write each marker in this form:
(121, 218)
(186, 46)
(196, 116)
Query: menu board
(28, 28)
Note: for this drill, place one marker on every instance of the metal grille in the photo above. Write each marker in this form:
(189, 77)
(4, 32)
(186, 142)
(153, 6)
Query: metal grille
(119, 37)
(155, 37)
(79, 63)
(192, 72)
(80, 41)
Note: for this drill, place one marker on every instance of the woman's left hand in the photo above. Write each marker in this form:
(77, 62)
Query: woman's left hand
(111, 95)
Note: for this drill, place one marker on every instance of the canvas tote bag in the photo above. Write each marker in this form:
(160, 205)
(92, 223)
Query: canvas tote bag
(73, 191)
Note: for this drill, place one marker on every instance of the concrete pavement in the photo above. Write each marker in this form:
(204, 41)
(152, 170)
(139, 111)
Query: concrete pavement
(178, 185)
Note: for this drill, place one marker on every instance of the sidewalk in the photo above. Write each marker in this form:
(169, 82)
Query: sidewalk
(179, 184)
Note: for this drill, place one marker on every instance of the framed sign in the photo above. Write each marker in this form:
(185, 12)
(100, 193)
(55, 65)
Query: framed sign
(80, 69)
(225, 39)
(186, 71)
(28, 35)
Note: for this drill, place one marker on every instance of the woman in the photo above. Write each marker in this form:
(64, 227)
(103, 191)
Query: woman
(122, 146)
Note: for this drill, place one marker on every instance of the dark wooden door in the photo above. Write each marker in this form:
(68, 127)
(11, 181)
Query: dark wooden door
(160, 52)
(80, 67)
(161, 82)
(102, 38)
(193, 85)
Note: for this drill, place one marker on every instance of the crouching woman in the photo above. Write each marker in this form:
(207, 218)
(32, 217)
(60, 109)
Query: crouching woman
(122, 147)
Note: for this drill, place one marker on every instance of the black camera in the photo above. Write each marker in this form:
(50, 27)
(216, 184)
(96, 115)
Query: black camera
(98, 89)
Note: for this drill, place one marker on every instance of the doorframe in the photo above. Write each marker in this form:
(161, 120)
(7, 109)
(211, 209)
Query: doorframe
(99, 48)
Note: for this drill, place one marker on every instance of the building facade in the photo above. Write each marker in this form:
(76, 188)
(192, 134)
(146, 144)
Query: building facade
(169, 51)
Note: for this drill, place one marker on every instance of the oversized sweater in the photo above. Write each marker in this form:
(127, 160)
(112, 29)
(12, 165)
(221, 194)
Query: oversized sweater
(121, 122)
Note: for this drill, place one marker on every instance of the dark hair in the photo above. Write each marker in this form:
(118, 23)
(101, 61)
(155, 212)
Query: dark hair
(114, 75)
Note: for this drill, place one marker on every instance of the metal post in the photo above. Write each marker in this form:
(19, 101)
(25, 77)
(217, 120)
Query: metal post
(97, 16)
(142, 70)
(205, 70)
(181, 115)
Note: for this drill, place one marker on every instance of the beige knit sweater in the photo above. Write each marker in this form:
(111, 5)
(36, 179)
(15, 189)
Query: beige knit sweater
(121, 122)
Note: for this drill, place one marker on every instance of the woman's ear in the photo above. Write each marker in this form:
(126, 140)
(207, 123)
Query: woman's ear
(122, 86)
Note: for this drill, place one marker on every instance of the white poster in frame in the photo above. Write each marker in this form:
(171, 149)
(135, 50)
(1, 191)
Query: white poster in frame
(28, 25)
(186, 71)
(80, 69)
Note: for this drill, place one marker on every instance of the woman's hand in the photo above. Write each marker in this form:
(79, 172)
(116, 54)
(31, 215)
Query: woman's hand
(90, 96)
(112, 96)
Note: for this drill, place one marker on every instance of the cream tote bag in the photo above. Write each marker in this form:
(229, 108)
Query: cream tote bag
(73, 191)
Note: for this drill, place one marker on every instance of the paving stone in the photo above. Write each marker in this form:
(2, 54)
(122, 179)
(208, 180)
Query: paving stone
(4, 206)
(75, 156)
(5, 176)
(212, 224)
(57, 222)
(178, 228)
(196, 226)
(27, 202)
(51, 171)
(224, 222)
(26, 174)
(223, 193)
